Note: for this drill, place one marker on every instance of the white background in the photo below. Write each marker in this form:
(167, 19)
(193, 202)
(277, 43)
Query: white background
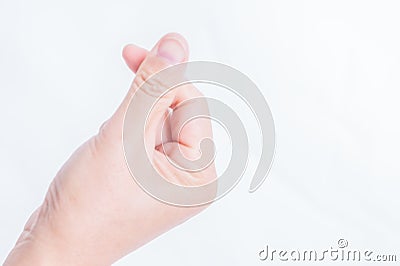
(328, 69)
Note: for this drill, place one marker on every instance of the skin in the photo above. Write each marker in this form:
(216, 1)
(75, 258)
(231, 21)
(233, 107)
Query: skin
(94, 213)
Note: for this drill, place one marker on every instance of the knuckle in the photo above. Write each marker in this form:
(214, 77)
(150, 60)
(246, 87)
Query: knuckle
(147, 81)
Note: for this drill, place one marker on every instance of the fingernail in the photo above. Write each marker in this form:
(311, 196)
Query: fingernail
(172, 50)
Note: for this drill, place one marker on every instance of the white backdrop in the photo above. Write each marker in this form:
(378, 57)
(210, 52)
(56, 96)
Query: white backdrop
(329, 70)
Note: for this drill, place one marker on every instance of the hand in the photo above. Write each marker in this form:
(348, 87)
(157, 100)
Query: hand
(94, 213)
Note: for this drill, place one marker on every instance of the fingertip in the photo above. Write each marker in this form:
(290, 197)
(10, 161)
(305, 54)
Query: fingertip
(173, 47)
(133, 56)
(178, 37)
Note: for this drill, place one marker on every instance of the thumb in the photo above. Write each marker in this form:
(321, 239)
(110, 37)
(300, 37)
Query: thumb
(147, 90)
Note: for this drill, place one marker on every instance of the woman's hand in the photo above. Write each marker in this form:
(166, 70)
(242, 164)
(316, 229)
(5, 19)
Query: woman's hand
(94, 213)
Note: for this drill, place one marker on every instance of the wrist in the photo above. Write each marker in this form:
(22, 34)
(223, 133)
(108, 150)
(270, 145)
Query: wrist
(42, 244)
(28, 251)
